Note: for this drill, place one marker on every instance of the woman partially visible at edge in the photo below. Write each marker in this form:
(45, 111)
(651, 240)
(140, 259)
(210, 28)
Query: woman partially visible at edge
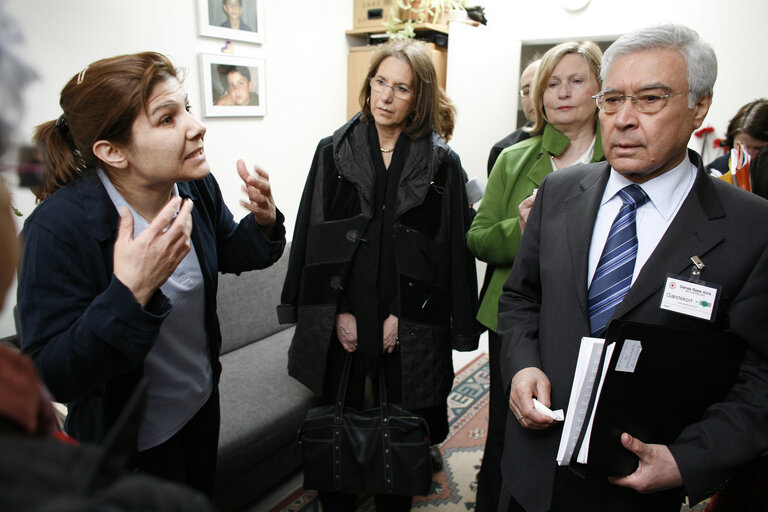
(379, 267)
(565, 132)
(121, 260)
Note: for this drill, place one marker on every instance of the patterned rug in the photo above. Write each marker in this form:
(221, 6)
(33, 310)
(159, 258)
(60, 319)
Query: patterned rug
(453, 488)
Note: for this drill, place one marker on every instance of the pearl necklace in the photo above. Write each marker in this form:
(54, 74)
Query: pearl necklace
(386, 150)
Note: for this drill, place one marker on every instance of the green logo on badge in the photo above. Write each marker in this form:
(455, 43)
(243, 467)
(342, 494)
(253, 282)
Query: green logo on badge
(704, 303)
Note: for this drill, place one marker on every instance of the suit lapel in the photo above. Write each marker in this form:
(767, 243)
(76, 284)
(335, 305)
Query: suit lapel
(690, 233)
(580, 213)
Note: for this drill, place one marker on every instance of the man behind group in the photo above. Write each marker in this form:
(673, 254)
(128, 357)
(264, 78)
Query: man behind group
(526, 83)
(657, 89)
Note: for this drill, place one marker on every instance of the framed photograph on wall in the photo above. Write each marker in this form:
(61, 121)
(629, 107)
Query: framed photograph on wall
(237, 20)
(233, 86)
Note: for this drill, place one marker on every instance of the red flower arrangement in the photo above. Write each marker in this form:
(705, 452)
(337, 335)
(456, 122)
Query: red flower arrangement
(703, 133)
(718, 144)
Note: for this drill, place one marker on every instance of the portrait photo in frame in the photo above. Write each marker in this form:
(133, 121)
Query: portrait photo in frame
(236, 20)
(232, 86)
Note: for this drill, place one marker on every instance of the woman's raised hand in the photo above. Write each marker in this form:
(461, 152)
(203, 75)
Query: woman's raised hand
(260, 202)
(144, 263)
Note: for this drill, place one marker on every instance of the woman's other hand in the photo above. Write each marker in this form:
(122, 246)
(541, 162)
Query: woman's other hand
(346, 331)
(143, 264)
(260, 202)
(524, 209)
(390, 334)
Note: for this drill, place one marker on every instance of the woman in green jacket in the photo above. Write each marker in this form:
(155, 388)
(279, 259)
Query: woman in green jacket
(565, 133)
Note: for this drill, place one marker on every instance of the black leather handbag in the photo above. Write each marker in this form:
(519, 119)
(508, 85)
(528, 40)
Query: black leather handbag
(384, 450)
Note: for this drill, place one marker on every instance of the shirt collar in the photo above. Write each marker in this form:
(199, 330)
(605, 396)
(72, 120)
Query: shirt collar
(665, 191)
(118, 200)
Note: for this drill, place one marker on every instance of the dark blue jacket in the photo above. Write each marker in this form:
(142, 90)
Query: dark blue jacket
(82, 326)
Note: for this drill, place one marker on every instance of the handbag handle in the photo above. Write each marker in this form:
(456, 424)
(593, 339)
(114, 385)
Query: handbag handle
(383, 396)
(342, 389)
(342, 395)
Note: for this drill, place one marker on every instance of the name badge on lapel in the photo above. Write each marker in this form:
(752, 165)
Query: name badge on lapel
(689, 295)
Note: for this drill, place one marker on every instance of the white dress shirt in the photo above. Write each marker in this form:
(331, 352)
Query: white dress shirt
(666, 194)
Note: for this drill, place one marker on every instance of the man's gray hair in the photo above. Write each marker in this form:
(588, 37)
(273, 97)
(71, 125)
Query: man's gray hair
(699, 56)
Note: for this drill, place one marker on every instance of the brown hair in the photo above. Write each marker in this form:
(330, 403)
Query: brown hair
(433, 108)
(99, 103)
(751, 119)
(592, 56)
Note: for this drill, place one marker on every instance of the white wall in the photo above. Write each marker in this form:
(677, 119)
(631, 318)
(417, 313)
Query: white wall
(305, 51)
(735, 30)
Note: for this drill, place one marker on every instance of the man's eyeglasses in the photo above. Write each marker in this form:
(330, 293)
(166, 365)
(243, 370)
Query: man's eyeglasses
(401, 91)
(647, 103)
(525, 91)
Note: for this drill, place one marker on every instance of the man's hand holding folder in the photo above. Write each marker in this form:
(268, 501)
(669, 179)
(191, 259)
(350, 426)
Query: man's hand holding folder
(636, 392)
(656, 471)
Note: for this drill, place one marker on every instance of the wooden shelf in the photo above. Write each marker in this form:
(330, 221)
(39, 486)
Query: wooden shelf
(417, 27)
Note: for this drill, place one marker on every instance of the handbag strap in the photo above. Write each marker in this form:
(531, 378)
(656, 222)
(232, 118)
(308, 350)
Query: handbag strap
(383, 405)
(342, 396)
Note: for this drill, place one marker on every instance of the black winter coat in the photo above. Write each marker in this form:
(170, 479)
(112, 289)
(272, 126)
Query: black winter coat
(437, 283)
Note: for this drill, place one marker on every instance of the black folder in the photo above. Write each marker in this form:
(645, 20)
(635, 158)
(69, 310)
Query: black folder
(679, 373)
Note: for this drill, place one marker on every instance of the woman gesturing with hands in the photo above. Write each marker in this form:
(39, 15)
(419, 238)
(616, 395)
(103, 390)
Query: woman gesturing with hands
(121, 261)
(145, 263)
(259, 192)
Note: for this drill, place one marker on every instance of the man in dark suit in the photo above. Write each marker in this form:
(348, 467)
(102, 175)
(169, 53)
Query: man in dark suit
(657, 89)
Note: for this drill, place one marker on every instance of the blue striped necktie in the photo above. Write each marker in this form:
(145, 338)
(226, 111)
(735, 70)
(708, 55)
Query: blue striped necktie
(613, 275)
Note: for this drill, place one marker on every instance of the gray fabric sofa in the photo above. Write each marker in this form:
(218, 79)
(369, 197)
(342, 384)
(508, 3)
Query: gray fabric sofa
(261, 406)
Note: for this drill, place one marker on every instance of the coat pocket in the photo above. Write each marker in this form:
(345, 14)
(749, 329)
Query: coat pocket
(424, 302)
(427, 367)
(309, 347)
(421, 256)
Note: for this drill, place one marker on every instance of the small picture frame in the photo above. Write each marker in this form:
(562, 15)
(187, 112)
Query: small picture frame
(218, 18)
(233, 86)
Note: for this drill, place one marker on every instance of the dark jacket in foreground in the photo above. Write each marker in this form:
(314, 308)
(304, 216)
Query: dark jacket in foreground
(543, 314)
(85, 331)
(437, 284)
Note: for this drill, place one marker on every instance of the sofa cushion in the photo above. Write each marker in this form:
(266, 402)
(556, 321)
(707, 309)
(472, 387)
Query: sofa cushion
(247, 304)
(261, 406)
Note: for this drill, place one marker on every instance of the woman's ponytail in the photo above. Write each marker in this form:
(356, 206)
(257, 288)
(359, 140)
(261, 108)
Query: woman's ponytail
(63, 164)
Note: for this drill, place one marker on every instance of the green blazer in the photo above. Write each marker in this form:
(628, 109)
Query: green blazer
(495, 231)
